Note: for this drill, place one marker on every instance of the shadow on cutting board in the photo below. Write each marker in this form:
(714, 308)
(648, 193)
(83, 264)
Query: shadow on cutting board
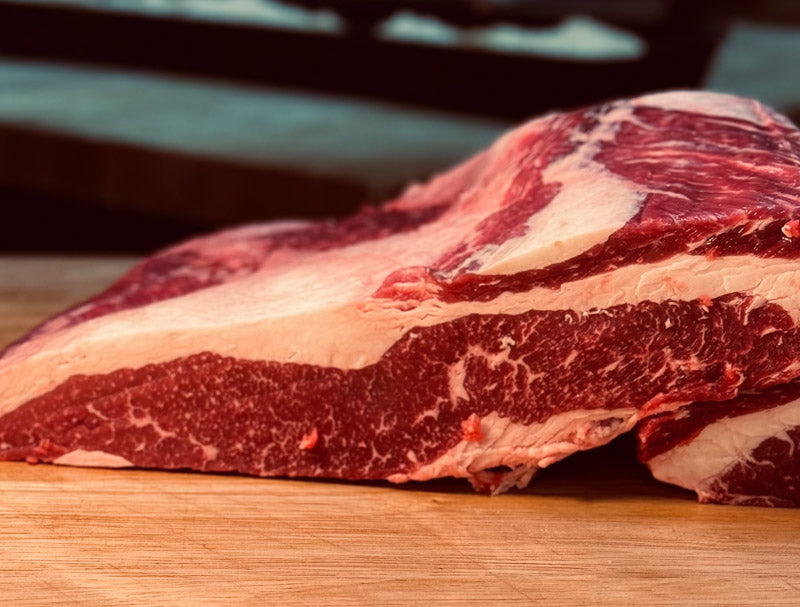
(611, 472)
(608, 472)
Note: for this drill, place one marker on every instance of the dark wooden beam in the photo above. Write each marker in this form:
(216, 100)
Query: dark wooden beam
(459, 79)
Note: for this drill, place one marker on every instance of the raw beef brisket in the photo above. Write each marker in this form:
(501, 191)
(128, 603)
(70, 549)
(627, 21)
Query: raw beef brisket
(743, 451)
(630, 265)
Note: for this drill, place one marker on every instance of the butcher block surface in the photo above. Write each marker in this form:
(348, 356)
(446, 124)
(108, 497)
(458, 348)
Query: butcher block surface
(595, 529)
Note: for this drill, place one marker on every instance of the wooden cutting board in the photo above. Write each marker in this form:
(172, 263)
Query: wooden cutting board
(594, 529)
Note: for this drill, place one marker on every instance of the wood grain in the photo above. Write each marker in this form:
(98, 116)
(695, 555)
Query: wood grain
(592, 530)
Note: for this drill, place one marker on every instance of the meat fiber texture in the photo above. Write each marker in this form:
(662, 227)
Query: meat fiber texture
(630, 266)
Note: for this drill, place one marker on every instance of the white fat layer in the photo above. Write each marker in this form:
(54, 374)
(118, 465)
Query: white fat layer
(322, 330)
(720, 445)
(712, 104)
(93, 459)
(562, 228)
(532, 446)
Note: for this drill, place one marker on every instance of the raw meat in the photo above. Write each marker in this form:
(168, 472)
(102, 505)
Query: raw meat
(629, 263)
(743, 451)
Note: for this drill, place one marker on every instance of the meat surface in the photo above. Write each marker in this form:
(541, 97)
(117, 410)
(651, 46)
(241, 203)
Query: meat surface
(742, 451)
(628, 266)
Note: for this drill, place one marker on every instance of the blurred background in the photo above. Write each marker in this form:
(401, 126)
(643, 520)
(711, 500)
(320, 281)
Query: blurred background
(128, 124)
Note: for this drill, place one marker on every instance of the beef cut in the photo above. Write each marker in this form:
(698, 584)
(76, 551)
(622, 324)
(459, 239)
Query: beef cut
(628, 266)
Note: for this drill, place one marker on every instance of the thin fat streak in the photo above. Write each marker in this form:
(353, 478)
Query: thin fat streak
(533, 446)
